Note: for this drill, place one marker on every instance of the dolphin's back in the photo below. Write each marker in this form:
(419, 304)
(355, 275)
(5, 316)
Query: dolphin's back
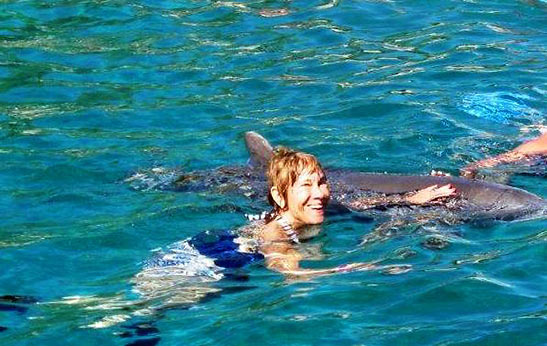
(500, 201)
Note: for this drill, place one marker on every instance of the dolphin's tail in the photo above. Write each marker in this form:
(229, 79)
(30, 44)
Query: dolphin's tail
(260, 151)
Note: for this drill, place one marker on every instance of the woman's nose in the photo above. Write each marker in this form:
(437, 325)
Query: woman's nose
(318, 191)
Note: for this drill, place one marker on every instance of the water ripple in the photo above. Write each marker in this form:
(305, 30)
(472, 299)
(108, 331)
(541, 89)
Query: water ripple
(94, 91)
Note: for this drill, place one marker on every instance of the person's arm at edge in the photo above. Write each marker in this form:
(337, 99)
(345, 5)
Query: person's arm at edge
(536, 146)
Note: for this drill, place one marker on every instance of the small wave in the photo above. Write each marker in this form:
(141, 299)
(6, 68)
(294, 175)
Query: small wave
(484, 278)
(478, 258)
(500, 107)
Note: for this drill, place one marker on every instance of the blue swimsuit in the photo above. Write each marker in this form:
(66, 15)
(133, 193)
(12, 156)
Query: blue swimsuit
(221, 247)
(208, 254)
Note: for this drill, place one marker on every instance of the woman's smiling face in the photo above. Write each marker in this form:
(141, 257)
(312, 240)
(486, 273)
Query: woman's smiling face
(307, 199)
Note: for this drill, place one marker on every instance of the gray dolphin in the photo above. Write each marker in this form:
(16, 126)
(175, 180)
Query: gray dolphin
(477, 199)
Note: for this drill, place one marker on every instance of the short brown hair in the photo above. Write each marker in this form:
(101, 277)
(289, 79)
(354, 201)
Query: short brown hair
(284, 168)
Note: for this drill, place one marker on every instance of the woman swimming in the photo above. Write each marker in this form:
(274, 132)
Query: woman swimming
(299, 193)
(188, 271)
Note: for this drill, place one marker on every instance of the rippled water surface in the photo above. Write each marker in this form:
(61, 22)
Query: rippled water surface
(92, 92)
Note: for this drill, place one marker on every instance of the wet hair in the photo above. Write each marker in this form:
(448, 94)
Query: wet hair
(284, 168)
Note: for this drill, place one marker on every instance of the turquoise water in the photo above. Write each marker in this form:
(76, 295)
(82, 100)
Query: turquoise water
(93, 91)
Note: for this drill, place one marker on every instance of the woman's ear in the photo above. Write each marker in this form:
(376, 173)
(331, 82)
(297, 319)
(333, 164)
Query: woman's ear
(279, 200)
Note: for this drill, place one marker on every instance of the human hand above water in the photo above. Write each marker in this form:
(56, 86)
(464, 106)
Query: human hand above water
(431, 193)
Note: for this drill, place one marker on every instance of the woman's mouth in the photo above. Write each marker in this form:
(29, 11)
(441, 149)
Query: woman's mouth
(317, 208)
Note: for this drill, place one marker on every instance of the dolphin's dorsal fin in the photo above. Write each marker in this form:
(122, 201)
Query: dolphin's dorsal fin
(260, 151)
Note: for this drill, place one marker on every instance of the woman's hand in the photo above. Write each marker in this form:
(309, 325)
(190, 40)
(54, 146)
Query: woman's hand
(431, 193)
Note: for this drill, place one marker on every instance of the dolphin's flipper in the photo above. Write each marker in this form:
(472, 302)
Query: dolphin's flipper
(260, 151)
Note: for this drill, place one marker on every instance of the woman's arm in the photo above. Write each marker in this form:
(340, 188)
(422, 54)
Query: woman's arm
(283, 258)
(419, 197)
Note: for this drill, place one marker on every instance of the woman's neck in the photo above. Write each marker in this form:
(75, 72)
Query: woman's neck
(287, 228)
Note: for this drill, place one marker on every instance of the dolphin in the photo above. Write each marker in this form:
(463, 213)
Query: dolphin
(477, 199)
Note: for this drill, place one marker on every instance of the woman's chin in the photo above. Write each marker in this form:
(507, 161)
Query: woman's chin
(316, 220)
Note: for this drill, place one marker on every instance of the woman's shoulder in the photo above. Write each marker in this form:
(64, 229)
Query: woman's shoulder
(272, 233)
(252, 229)
(260, 230)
